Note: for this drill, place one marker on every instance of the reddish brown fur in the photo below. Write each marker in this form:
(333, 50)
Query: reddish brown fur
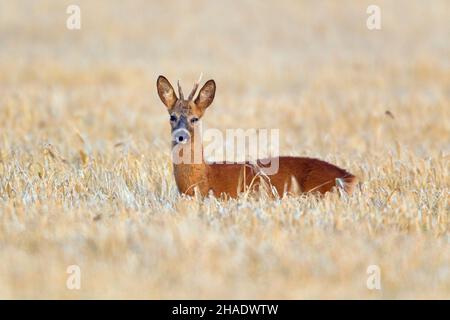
(295, 174)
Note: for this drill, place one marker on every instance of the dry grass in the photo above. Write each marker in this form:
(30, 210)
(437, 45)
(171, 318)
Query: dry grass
(85, 173)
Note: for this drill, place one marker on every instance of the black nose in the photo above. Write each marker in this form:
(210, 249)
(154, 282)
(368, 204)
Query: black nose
(180, 138)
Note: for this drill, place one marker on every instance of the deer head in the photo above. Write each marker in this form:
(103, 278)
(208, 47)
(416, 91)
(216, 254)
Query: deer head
(185, 113)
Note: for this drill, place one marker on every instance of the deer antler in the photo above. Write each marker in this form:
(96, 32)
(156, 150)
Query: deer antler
(196, 84)
(180, 91)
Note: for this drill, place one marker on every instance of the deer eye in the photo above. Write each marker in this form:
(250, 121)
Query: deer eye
(194, 120)
(173, 118)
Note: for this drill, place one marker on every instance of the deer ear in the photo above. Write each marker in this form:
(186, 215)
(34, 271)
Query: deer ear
(166, 92)
(206, 95)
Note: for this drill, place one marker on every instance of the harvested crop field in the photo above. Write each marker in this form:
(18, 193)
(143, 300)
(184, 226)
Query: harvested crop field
(85, 171)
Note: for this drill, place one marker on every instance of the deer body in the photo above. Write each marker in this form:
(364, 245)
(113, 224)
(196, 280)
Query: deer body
(295, 174)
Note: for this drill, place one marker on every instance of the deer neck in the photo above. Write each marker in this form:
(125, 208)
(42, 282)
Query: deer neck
(190, 169)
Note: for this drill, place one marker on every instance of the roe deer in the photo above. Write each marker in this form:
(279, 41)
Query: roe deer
(229, 179)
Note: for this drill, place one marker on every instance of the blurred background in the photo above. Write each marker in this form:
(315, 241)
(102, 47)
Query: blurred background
(273, 62)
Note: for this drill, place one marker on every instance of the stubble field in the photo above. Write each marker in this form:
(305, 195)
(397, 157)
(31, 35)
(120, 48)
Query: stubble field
(85, 171)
